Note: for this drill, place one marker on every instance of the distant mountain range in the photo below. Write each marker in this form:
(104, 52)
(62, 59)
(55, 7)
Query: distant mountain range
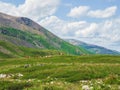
(92, 48)
(23, 32)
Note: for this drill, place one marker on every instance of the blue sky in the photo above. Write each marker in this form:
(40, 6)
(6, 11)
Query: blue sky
(92, 21)
(94, 4)
(15, 2)
(66, 5)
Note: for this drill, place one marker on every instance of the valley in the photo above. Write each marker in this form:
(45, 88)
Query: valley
(32, 58)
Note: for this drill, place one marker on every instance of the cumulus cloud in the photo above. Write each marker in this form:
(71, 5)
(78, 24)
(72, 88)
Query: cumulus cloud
(78, 11)
(8, 8)
(104, 33)
(87, 31)
(38, 8)
(35, 9)
(61, 27)
(104, 29)
(106, 13)
(54, 24)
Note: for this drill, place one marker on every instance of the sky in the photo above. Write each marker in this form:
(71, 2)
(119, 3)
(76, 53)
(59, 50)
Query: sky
(91, 21)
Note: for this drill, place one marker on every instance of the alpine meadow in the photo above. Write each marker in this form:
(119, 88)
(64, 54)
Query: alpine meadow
(59, 45)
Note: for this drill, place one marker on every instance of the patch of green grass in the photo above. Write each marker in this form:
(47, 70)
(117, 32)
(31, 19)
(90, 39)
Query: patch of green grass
(19, 51)
(64, 72)
(8, 85)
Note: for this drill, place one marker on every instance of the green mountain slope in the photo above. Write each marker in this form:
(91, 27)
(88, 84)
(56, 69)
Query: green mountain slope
(24, 32)
(9, 50)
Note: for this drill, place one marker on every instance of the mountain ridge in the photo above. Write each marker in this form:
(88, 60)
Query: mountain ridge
(92, 48)
(25, 30)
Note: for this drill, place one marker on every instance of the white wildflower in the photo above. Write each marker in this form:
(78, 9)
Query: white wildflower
(29, 80)
(85, 87)
(84, 81)
(51, 82)
(3, 75)
(20, 75)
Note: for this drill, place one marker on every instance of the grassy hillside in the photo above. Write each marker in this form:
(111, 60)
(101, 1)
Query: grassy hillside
(41, 41)
(60, 73)
(8, 50)
(15, 41)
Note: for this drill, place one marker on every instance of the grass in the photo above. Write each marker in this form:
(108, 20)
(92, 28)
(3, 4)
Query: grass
(99, 72)
(19, 51)
(8, 85)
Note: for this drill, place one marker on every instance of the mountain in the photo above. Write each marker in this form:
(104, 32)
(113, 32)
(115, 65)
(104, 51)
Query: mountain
(24, 32)
(92, 48)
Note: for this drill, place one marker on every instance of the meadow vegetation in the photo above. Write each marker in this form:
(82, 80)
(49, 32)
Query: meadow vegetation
(60, 72)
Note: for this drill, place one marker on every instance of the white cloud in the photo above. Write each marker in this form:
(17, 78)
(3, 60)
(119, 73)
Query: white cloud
(76, 12)
(106, 13)
(38, 8)
(103, 33)
(61, 27)
(35, 9)
(54, 24)
(8, 8)
(87, 31)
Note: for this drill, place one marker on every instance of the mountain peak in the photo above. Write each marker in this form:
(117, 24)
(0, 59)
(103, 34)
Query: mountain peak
(25, 30)
(21, 23)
